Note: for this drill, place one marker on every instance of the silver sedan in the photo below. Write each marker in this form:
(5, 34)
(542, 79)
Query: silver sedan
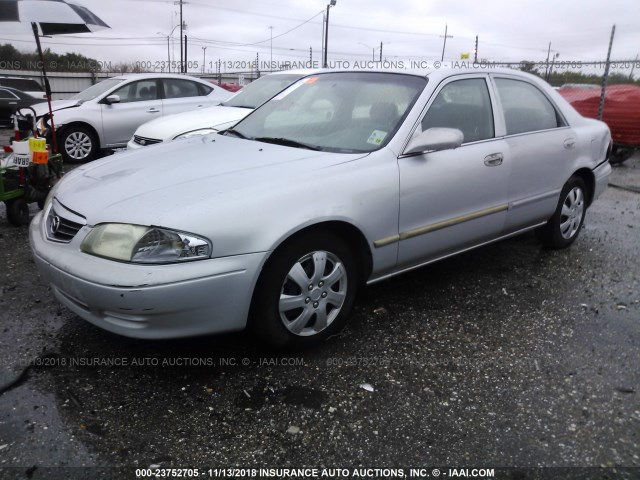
(343, 178)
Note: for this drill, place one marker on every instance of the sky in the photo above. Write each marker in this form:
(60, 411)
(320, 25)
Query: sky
(235, 32)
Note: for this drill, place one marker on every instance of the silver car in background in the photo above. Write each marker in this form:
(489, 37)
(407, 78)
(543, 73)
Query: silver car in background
(105, 115)
(208, 120)
(343, 178)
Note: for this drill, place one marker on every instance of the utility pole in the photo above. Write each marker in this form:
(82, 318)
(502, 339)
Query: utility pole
(182, 69)
(475, 51)
(185, 55)
(271, 45)
(444, 44)
(605, 77)
(553, 62)
(310, 57)
(546, 71)
(633, 67)
(204, 58)
(381, 52)
(324, 21)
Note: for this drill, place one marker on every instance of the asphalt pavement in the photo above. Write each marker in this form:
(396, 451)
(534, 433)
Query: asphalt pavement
(506, 356)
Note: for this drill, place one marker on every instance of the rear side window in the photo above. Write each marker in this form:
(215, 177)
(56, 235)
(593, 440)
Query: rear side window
(24, 84)
(177, 88)
(204, 89)
(465, 105)
(7, 94)
(526, 109)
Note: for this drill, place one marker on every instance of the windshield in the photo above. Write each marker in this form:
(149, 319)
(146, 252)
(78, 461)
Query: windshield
(261, 90)
(339, 112)
(96, 90)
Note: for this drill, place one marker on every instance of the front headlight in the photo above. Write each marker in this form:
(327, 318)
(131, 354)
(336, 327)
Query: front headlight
(139, 244)
(42, 126)
(50, 195)
(196, 133)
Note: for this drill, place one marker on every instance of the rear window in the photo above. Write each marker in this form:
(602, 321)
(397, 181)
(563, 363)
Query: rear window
(24, 84)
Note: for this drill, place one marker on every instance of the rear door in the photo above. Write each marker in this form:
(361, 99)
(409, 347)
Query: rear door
(543, 149)
(181, 95)
(139, 103)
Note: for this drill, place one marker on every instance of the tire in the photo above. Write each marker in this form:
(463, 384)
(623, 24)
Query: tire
(78, 144)
(564, 226)
(17, 212)
(319, 301)
(620, 155)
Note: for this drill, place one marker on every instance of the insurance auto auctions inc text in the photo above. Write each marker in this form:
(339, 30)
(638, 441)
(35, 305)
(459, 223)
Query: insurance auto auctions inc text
(345, 473)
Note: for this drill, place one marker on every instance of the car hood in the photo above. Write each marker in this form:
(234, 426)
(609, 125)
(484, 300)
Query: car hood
(170, 184)
(42, 108)
(170, 126)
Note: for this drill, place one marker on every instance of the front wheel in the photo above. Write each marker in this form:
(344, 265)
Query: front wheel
(78, 144)
(563, 227)
(305, 292)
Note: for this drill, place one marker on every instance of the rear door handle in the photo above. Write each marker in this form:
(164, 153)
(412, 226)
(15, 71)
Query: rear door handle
(153, 110)
(493, 160)
(569, 143)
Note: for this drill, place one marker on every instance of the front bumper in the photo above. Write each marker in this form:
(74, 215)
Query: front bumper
(147, 301)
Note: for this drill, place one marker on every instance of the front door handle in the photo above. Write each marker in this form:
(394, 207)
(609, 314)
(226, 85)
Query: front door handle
(569, 143)
(493, 160)
(153, 110)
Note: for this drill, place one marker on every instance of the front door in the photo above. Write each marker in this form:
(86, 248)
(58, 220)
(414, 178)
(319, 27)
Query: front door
(139, 103)
(454, 199)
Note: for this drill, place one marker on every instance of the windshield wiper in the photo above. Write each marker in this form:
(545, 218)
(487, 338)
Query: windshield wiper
(234, 132)
(286, 142)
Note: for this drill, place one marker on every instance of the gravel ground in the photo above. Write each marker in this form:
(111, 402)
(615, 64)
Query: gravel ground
(506, 356)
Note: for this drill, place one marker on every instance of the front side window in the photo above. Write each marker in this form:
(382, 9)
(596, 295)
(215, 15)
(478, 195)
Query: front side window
(526, 109)
(96, 90)
(347, 112)
(465, 105)
(141, 91)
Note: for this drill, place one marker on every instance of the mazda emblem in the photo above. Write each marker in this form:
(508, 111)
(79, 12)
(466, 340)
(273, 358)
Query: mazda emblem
(55, 224)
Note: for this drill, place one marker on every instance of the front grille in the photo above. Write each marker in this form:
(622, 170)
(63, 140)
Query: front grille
(61, 229)
(145, 141)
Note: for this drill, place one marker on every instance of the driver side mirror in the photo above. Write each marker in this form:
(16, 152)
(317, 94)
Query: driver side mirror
(434, 140)
(112, 99)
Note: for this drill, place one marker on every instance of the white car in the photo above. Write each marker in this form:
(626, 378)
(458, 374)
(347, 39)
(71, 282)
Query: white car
(105, 115)
(209, 120)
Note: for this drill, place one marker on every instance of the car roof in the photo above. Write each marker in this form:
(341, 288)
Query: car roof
(138, 76)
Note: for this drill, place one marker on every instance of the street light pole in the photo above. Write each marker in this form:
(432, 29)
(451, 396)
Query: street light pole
(168, 51)
(326, 32)
(204, 58)
(373, 50)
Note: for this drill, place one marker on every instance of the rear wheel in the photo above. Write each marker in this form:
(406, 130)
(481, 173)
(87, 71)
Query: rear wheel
(17, 212)
(565, 224)
(306, 292)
